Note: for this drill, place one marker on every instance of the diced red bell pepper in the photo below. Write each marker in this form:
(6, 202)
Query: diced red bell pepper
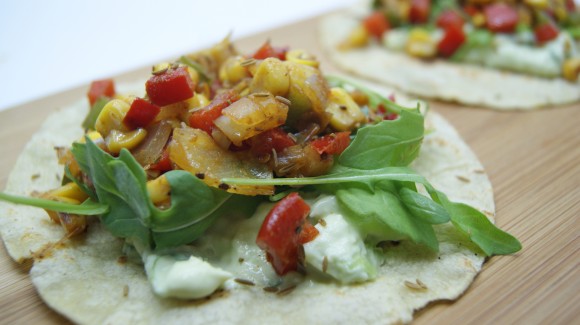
(449, 17)
(386, 114)
(376, 24)
(203, 118)
(279, 235)
(545, 32)
(163, 164)
(172, 86)
(500, 18)
(269, 51)
(419, 11)
(275, 138)
(308, 233)
(332, 144)
(101, 88)
(141, 114)
(452, 39)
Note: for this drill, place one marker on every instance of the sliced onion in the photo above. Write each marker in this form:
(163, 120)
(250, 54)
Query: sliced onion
(151, 148)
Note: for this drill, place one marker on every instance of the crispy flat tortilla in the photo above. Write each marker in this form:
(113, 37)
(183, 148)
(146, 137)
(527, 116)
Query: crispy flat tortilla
(87, 281)
(440, 79)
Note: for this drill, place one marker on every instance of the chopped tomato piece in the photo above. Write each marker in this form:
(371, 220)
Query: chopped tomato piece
(280, 232)
(203, 118)
(500, 18)
(268, 51)
(376, 24)
(141, 113)
(169, 87)
(101, 88)
(419, 11)
(545, 32)
(332, 144)
(452, 39)
(471, 10)
(275, 138)
(308, 233)
(449, 17)
(386, 114)
(164, 163)
(570, 5)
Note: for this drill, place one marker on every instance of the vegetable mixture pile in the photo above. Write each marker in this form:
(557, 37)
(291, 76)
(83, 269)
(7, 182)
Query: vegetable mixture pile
(218, 132)
(472, 30)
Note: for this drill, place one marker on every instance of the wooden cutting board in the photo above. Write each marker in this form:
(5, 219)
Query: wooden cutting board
(532, 158)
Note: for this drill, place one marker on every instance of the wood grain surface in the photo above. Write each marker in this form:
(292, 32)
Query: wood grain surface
(532, 158)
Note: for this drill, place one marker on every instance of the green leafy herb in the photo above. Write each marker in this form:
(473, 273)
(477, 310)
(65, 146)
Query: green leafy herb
(203, 75)
(477, 39)
(88, 207)
(95, 110)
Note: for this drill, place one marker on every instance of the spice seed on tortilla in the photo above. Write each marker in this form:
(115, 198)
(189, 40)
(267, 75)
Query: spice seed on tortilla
(421, 284)
(324, 264)
(413, 285)
(244, 282)
(126, 290)
(122, 259)
(463, 178)
(479, 171)
(286, 291)
(322, 222)
(35, 176)
(271, 289)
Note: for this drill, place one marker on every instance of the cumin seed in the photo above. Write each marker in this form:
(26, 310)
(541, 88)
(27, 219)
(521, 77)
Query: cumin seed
(126, 290)
(286, 291)
(244, 282)
(324, 264)
(283, 100)
(35, 176)
(322, 222)
(463, 178)
(413, 285)
(421, 284)
(261, 94)
(271, 289)
(479, 171)
(247, 62)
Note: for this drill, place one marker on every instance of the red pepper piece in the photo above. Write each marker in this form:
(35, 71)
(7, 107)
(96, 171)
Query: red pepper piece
(332, 144)
(279, 235)
(419, 11)
(275, 138)
(308, 233)
(449, 17)
(376, 24)
(141, 114)
(203, 118)
(164, 163)
(452, 39)
(500, 18)
(269, 51)
(545, 32)
(172, 86)
(101, 88)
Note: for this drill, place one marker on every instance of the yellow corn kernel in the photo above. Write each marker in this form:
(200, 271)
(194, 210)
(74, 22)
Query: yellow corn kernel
(345, 113)
(111, 117)
(160, 67)
(571, 69)
(302, 57)
(537, 4)
(117, 140)
(421, 44)
(358, 37)
(478, 20)
(232, 71)
(69, 191)
(53, 214)
(93, 135)
(193, 74)
(271, 76)
(198, 101)
(158, 189)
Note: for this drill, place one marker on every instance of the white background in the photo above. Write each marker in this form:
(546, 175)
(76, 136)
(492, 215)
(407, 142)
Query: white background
(51, 46)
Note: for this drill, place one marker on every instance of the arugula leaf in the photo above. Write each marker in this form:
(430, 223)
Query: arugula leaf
(383, 215)
(88, 207)
(95, 110)
(423, 207)
(388, 143)
(203, 75)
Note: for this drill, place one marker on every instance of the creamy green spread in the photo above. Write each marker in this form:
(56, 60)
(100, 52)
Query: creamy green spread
(228, 251)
